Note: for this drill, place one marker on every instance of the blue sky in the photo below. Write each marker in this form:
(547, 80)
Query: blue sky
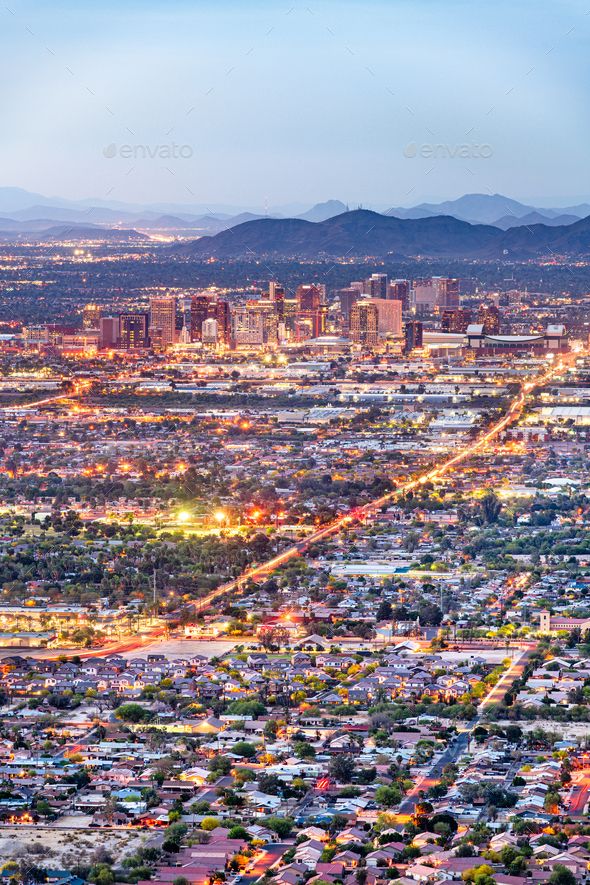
(260, 103)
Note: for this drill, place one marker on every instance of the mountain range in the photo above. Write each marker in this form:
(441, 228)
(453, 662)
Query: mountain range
(474, 225)
(362, 233)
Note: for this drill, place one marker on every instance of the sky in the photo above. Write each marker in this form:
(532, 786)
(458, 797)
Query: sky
(263, 104)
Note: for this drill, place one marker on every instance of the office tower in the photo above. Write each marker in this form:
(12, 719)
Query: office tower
(399, 290)
(268, 321)
(455, 320)
(376, 285)
(209, 331)
(184, 336)
(276, 293)
(389, 315)
(247, 327)
(91, 316)
(200, 311)
(413, 336)
(347, 298)
(364, 323)
(133, 330)
(446, 292)
(489, 316)
(208, 307)
(109, 332)
(223, 319)
(308, 297)
(184, 318)
(424, 296)
(162, 320)
(310, 321)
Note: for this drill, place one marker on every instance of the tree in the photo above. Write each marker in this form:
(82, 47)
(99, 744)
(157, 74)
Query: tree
(132, 713)
(341, 768)
(101, 874)
(244, 749)
(247, 708)
(274, 637)
(385, 611)
(43, 807)
(282, 826)
(388, 796)
(238, 832)
(303, 750)
(481, 875)
(429, 613)
(561, 876)
(271, 784)
(489, 509)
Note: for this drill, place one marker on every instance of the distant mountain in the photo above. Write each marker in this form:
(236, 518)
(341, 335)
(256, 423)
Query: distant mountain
(543, 240)
(13, 199)
(362, 233)
(164, 222)
(479, 208)
(71, 232)
(323, 211)
(90, 215)
(90, 232)
(509, 221)
(24, 211)
(491, 209)
(414, 212)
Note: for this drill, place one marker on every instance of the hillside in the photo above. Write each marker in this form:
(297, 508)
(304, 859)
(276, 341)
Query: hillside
(362, 233)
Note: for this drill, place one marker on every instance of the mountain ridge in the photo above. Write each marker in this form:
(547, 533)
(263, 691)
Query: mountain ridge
(363, 233)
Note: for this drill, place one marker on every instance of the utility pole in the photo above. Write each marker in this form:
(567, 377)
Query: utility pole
(155, 598)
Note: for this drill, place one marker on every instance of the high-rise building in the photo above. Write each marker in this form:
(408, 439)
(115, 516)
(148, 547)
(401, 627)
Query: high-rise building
(183, 319)
(276, 293)
(489, 316)
(389, 315)
(413, 335)
(399, 290)
(310, 321)
(247, 327)
(364, 323)
(455, 320)
(424, 296)
(162, 320)
(376, 285)
(133, 330)
(109, 332)
(91, 316)
(446, 291)
(209, 331)
(347, 297)
(200, 311)
(208, 307)
(223, 319)
(309, 297)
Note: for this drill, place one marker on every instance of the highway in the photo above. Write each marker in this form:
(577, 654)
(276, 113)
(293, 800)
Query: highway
(367, 511)
(80, 387)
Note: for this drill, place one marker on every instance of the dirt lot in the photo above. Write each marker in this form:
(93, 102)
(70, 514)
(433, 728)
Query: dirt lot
(573, 731)
(59, 848)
